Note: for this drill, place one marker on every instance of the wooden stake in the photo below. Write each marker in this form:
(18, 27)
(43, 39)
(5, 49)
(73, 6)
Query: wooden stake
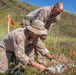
(8, 23)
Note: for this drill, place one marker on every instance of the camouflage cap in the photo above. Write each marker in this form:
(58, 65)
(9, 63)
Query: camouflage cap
(37, 27)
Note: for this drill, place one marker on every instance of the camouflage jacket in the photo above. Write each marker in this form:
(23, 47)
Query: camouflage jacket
(17, 40)
(44, 14)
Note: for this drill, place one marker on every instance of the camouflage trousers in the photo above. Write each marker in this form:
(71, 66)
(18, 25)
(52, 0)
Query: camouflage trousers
(4, 59)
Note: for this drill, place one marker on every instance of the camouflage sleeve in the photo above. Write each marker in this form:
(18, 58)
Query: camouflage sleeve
(40, 46)
(57, 17)
(52, 23)
(41, 15)
(19, 45)
(55, 20)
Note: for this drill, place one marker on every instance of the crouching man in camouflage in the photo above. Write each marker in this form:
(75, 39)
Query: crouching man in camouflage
(17, 40)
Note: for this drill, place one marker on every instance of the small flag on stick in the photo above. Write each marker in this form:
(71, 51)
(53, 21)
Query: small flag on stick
(10, 21)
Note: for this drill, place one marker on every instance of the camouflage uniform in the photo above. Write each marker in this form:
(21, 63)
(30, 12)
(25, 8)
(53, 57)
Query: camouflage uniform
(16, 41)
(44, 14)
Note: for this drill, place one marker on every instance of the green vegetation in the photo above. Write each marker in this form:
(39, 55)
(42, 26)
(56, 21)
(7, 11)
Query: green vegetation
(61, 39)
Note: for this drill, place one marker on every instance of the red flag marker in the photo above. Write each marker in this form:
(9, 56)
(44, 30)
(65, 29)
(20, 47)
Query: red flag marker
(11, 21)
(73, 53)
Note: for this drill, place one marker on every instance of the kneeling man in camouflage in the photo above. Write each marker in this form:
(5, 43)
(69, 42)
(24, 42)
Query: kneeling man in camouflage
(17, 40)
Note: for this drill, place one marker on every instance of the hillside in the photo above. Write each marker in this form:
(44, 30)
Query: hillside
(66, 25)
(17, 9)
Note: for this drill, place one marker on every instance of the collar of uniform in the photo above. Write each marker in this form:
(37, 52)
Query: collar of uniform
(28, 40)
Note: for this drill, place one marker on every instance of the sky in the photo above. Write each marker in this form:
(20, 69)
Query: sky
(69, 5)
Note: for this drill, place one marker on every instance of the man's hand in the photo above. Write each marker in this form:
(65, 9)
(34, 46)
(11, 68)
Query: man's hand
(53, 62)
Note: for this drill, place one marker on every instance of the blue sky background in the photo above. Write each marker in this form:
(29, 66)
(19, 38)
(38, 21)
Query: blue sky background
(69, 5)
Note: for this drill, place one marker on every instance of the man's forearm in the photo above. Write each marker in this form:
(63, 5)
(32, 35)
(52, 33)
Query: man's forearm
(38, 66)
(49, 56)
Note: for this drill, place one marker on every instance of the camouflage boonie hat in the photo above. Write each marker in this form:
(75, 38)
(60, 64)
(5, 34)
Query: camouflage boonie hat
(37, 27)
